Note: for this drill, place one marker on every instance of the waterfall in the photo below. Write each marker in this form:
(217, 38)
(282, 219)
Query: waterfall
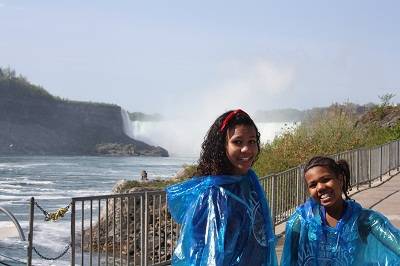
(127, 124)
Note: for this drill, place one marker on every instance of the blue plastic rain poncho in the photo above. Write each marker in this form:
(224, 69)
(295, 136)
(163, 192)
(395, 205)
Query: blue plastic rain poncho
(225, 221)
(361, 237)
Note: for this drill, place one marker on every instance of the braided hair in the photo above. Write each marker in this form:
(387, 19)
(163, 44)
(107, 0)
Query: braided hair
(340, 167)
(213, 159)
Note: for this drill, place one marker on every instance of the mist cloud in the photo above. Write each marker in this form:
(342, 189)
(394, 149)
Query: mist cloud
(247, 85)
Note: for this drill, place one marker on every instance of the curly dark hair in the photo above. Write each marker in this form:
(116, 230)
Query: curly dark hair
(213, 159)
(340, 167)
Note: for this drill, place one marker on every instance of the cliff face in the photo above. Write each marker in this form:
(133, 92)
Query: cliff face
(36, 123)
(384, 117)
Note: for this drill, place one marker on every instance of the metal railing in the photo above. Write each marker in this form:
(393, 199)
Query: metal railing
(129, 229)
(286, 190)
(136, 228)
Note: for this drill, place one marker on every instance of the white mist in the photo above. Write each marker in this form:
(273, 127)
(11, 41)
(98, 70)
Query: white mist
(183, 137)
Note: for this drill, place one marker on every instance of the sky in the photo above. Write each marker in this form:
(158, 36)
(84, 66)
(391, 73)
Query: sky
(191, 59)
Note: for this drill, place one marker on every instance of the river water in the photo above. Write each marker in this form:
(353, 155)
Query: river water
(53, 181)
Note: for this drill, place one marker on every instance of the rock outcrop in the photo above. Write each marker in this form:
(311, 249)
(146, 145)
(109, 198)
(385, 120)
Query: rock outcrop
(33, 122)
(386, 117)
(122, 223)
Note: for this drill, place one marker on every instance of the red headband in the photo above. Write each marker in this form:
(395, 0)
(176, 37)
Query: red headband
(229, 117)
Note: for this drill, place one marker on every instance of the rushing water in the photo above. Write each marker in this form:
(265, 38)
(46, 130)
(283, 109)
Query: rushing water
(53, 181)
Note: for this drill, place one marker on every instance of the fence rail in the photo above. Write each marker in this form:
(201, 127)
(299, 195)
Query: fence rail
(286, 190)
(137, 229)
(129, 229)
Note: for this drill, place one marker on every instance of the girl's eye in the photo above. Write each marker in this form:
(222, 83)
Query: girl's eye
(238, 142)
(312, 185)
(252, 141)
(326, 179)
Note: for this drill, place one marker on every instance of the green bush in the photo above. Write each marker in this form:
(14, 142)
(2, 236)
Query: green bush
(330, 133)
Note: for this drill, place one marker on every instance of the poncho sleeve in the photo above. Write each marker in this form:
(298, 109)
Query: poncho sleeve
(203, 229)
(381, 237)
(182, 196)
(292, 236)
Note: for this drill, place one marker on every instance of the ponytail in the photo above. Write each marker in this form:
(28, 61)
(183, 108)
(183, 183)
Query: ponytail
(345, 169)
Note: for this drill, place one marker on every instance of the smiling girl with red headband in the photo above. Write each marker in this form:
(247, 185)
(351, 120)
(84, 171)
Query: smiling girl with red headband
(223, 211)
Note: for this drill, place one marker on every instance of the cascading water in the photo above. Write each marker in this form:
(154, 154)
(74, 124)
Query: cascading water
(127, 124)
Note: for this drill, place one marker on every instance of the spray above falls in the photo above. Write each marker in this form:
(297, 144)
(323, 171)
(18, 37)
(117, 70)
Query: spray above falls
(184, 137)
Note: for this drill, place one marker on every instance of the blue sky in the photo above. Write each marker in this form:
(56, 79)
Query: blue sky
(193, 58)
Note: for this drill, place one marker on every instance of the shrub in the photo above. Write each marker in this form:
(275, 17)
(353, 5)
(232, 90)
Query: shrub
(326, 134)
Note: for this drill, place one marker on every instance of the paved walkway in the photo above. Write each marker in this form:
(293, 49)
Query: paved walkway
(382, 197)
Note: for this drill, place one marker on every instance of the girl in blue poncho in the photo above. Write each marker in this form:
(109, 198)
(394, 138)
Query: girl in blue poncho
(328, 230)
(223, 210)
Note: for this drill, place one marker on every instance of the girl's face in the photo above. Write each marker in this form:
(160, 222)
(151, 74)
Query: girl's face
(241, 148)
(324, 186)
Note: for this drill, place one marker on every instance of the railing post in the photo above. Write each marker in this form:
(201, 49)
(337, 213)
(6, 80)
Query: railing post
(273, 201)
(304, 188)
(398, 155)
(146, 227)
(380, 165)
(357, 168)
(298, 181)
(369, 167)
(30, 234)
(73, 233)
(390, 146)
